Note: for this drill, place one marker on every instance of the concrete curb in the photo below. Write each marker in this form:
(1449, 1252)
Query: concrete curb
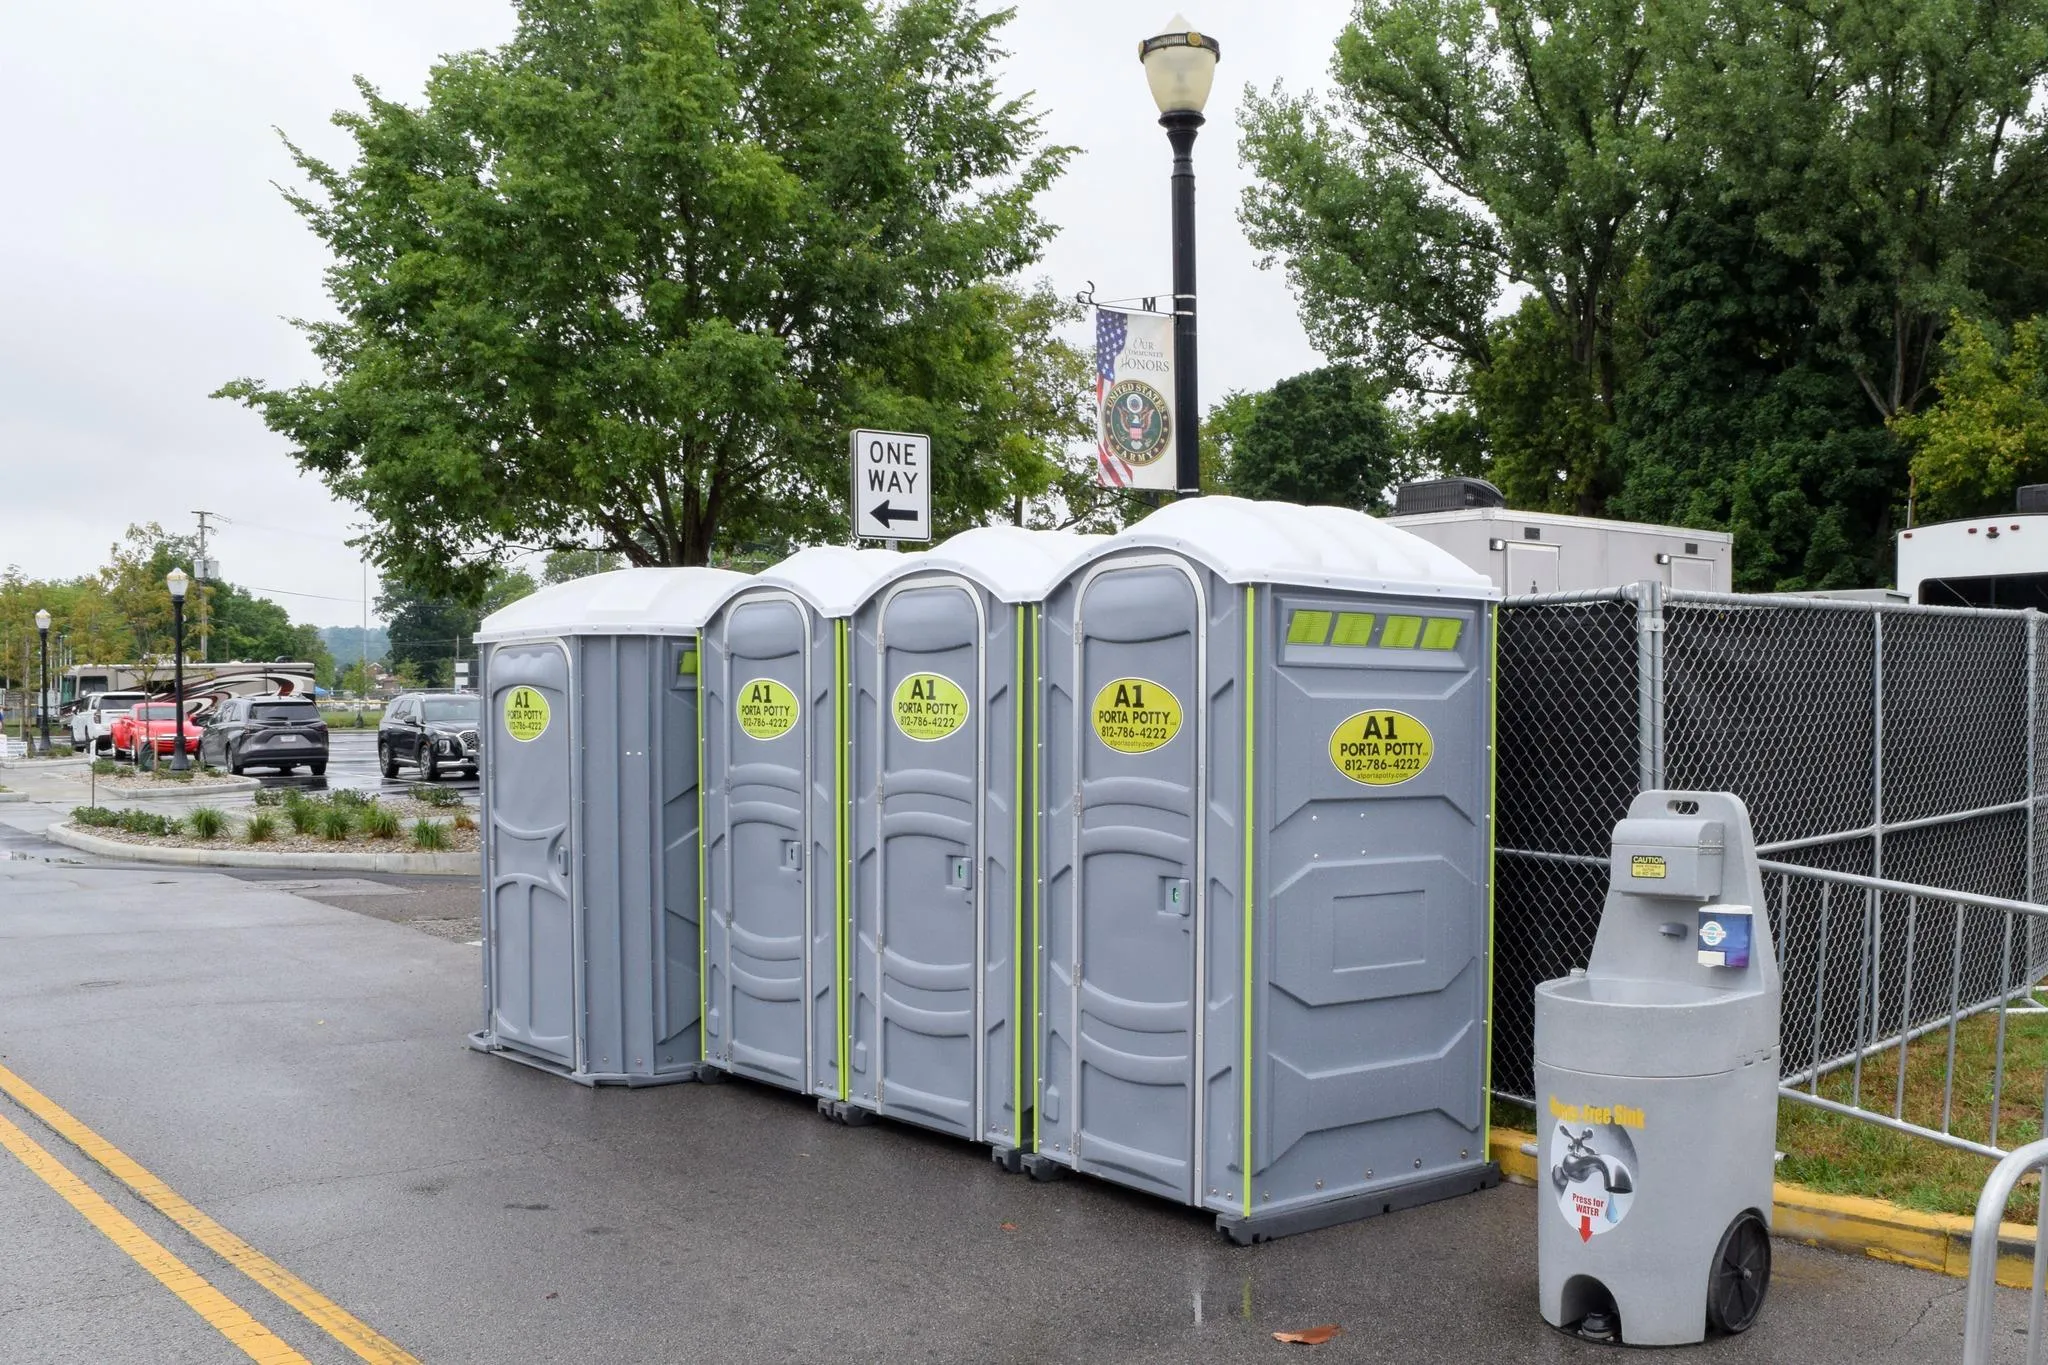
(427, 864)
(9, 798)
(1876, 1228)
(76, 761)
(172, 791)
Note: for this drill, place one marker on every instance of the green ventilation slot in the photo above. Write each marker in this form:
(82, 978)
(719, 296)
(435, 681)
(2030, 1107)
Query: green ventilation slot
(1308, 627)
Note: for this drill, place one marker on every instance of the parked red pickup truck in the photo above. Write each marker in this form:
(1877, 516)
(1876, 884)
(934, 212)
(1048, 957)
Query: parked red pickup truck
(153, 725)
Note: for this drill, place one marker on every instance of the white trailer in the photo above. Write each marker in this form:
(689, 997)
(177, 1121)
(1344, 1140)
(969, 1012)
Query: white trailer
(1991, 561)
(1538, 552)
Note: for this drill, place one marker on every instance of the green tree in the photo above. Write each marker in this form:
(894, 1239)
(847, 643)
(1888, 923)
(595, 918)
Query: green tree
(1735, 418)
(1473, 151)
(1988, 432)
(1320, 437)
(561, 566)
(1223, 436)
(429, 633)
(1895, 150)
(628, 281)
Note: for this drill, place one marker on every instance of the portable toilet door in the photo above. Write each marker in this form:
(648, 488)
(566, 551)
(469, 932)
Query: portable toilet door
(590, 806)
(941, 884)
(1264, 947)
(775, 810)
(531, 933)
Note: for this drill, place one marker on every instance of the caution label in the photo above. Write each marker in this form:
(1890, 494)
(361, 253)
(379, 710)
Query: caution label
(1648, 865)
(929, 706)
(766, 709)
(1136, 715)
(1381, 748)
(526, 714)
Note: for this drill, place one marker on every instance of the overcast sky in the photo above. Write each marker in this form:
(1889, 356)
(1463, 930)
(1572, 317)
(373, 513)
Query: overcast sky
(145, 257)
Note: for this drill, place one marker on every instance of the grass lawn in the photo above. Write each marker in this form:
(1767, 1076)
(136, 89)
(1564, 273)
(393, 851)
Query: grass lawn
(1841, 1155)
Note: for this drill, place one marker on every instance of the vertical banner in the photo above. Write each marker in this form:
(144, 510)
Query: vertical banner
(1134, 413)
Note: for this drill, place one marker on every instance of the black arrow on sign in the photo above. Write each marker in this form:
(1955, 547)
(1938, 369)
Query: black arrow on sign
(885, 514)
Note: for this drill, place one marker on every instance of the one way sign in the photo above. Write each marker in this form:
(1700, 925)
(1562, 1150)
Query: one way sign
(892, 485)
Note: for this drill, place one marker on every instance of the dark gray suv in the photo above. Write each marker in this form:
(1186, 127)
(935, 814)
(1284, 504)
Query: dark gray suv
(429, 731)
(265, 732)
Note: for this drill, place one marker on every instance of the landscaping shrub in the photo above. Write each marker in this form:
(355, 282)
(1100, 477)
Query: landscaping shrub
(336, 822)
(428, 837)
(105, 767)
(95, 817)
(351, 798)
(380, 823)
(302, 815)
(434, 795)
(464, 820)
(261, 829)
(146, 822)
(271, 796)
(206, 821)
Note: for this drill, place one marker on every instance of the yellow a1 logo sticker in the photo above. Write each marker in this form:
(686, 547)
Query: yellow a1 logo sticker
(526, 714)
(929, 707)
(1381, 748)
(766, 709)
(1136, 715)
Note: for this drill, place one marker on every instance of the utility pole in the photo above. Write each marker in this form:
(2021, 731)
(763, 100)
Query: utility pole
(202, 575)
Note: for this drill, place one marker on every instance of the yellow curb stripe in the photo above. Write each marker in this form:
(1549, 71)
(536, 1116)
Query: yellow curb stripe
(329, 1316)
(223, 1314)
(1850, 1223)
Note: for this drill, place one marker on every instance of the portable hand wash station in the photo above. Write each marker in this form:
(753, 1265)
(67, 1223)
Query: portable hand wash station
(1656, 1088)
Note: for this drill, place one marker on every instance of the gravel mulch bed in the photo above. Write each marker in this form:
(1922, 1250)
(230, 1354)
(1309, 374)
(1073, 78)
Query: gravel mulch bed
(459, 841)
(126, 784)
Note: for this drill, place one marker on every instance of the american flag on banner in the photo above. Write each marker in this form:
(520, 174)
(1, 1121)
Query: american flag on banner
(1111, 329)
(1133, 399)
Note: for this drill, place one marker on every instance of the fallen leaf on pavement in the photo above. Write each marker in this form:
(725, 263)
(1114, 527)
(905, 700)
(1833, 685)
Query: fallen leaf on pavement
(1310, 1336)
(1009, 1227)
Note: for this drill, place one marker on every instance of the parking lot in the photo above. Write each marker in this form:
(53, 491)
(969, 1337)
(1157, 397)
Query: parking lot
(286, 1054)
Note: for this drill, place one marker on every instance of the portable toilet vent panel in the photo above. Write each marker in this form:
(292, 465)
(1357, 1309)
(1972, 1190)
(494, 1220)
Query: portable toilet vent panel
(941, 826)
(776, 808)
(590, 814)
(1266, 866)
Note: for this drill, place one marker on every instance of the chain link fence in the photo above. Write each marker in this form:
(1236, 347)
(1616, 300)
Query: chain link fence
(1869, 739)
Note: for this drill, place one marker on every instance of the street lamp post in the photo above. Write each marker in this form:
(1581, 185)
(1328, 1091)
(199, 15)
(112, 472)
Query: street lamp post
(176, 581)
(43, 697)
(1180, 66)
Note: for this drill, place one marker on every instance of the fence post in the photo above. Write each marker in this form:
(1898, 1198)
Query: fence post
(1877, 744)
(1649, 596)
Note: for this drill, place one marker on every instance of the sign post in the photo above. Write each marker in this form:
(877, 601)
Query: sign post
(892, 486)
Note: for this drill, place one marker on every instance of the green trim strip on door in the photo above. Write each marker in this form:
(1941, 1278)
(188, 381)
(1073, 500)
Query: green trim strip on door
(1017, 703)
(841, 832)
(1039, 824)
(703, 884)
(1492, 842)
(1248, 890)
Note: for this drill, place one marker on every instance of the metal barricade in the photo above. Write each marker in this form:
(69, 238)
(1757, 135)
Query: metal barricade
(1885, 980)
(1980, 1322)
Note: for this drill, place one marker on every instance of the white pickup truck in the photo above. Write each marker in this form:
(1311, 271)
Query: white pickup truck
(94, 718)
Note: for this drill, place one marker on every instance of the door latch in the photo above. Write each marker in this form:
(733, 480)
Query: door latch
(792, 855)
(960, 873)
(1175, 896)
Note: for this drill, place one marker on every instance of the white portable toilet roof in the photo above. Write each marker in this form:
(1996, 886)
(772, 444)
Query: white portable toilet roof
(832, 578)
(1013, 562)
(623, 602)
(1317, 547)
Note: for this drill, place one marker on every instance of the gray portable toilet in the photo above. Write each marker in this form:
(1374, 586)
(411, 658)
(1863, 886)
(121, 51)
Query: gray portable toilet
(776, 808)
(941, 825)
(1267, 866)
(590, 856)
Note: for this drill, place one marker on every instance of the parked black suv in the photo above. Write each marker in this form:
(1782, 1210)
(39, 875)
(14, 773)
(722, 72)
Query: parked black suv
(265, 732)
(429, 731)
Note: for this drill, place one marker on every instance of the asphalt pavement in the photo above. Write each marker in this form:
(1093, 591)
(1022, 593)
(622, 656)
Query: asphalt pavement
(291, 1062)
(352, 763)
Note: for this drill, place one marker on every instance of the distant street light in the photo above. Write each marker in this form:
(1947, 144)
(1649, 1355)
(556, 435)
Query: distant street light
(43, 697)
(1180, 66)
(177, 582)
